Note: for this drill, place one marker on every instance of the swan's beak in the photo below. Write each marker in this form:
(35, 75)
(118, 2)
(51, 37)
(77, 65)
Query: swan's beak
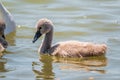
(37, 35)
(3, 36)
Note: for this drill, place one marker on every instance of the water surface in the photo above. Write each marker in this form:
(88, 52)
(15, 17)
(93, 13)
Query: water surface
(84, 20)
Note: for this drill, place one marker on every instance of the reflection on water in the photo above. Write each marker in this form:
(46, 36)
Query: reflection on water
(88, 64)
(47, 69)
(92, 64)
(11, 38)
(87, 61)
(84, 20)
(2, 65)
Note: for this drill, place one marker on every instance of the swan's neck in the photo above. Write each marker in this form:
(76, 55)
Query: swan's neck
(47, 42)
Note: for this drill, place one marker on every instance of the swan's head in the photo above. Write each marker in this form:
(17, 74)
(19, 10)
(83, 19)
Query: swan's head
(3, 42)
(43, 26)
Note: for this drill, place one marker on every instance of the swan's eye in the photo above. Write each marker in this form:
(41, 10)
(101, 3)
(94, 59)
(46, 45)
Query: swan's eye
(40, 28)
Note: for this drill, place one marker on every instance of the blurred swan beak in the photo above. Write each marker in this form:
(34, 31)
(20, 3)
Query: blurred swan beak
(37, 35)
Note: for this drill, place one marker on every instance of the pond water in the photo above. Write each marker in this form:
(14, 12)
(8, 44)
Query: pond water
(95, 21)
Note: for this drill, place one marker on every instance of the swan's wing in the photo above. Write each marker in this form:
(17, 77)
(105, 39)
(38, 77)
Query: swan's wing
(78, 49)
(8, 18)
(66, 49)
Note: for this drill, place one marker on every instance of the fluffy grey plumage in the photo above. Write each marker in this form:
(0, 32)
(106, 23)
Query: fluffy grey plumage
(67, 48)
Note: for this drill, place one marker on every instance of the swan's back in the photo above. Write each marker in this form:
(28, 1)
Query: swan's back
(78, 49)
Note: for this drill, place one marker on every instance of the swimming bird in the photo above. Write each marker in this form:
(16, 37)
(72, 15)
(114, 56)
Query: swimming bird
(70, 48)
(8, 19)
(7, 25)
(3, 42)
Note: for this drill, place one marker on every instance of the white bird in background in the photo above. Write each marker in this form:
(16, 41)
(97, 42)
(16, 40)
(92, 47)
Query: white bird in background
(7, 25)
(7, 19)
(67, 48)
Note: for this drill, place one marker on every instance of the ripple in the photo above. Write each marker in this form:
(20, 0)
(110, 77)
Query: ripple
(3, 67)
(86, 20)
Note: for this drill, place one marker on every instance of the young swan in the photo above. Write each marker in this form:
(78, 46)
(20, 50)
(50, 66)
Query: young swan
(3, 42)
(67, 48)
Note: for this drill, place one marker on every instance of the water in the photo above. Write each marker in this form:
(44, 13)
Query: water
(85, 20)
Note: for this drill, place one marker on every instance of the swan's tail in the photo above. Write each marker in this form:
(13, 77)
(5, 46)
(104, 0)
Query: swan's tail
(100, 49)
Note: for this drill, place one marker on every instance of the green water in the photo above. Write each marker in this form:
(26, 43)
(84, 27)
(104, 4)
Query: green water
(84, 20)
